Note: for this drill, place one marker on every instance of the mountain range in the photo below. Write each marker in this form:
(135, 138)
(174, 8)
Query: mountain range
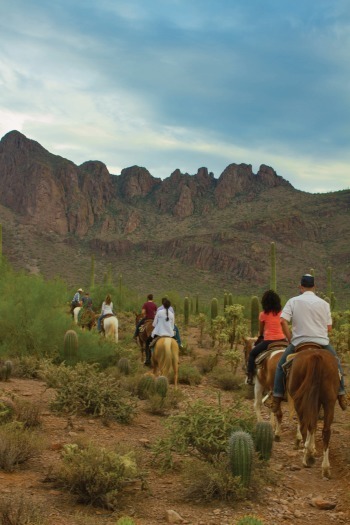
(189, 233)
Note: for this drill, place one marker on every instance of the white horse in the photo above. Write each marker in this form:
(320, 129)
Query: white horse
(76, 313)
(110, 325)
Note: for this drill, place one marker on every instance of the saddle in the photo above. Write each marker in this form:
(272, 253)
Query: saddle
(278, 345)
(303, 346)
(102, 321)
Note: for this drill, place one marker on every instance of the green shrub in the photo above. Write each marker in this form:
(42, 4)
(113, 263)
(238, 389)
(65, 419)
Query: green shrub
(250, 520)
(189, 375)
(206, 481)
(85, 390)
(206, 363)
(17, 445)
(7, 410)
(20, 509)
(96, 475)
(125, 521)
(225, 379)
(28, 413)
(202, 431)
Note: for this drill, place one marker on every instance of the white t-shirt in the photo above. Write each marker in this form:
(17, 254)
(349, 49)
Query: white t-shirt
(161, 325)
(106, 308)
(310, 316)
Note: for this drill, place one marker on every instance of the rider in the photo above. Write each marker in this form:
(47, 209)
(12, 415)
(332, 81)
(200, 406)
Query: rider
(163, 323)
(106, 309)
(270, 329)
(311, 322)
(149, 310)
(76, 301)
(176, 330)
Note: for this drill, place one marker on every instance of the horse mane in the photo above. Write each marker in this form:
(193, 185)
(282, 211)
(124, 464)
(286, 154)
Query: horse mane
(306, 398)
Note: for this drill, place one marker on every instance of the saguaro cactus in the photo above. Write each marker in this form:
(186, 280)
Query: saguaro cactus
(273, 278)
(225, 300)
(92, 276)
(254, 316)
(264, 439)
(70, 345)
(197, 305)
(0, 242)
(240, 453)
(230, 299)
(214, 308)
(186, 310)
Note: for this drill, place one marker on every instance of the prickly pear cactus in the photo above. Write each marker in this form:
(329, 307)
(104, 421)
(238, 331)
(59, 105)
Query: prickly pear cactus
(264, 439)
(124, 365)
(240, 453)
(162, 386)
(70, 346)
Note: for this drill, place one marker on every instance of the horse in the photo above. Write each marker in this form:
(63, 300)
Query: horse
(76, 313)
(144, 332)
(165, 356)
(110, 325)
(264, 380)
(313, 381)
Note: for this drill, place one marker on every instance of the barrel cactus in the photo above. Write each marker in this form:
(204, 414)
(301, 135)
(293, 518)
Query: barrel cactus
(240, 454)
(6, 370)
(264, 439)
(70, 345)
(146, 386)
(161, 386)
(124, 365)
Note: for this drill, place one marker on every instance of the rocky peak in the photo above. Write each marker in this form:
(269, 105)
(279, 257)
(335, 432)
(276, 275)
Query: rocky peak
(16, 141)
(269, 178)
(136, 181)
(235, 179)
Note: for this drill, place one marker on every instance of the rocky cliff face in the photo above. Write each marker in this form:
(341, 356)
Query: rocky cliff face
(215, 226)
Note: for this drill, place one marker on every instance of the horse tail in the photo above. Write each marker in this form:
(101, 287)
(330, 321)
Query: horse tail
(306, 398)
(167, 361)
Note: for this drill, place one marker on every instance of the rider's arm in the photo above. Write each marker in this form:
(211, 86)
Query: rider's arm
(143, 311)
(285, 329)
(329, 327)
(261, 328)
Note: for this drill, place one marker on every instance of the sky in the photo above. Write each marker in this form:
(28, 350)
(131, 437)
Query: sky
(182, 84)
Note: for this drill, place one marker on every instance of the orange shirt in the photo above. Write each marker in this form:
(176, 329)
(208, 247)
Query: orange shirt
(272, 326)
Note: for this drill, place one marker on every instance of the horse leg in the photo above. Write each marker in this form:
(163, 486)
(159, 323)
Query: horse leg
(298, 437)
(326, 435)
(309, 450)
(258, 394)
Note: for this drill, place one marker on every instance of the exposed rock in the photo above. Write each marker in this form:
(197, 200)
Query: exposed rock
(173, 517)
(136, 182)
(184, 207)
(323, 504)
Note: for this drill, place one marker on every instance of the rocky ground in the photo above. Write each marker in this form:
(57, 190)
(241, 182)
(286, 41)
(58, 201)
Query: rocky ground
(295, 494)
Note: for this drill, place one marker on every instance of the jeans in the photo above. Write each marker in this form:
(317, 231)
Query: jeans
(278, 388)
(177, 335)
(255, 351)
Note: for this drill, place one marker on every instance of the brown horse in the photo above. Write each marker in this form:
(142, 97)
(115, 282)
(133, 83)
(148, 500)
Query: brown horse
(144, 332)
(314, 382)
(264, 380)
(165, 356)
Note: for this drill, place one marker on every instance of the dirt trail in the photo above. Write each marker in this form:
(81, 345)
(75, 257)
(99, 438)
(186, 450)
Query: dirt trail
(289, 501)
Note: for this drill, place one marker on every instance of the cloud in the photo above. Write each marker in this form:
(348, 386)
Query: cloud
(182, 84)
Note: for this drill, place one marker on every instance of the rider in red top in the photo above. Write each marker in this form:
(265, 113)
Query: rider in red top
(149, 310)
(270, 329)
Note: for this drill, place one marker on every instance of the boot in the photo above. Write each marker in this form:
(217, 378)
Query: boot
(148, 357)
(276, 404)
(250, 379)
(342, 401)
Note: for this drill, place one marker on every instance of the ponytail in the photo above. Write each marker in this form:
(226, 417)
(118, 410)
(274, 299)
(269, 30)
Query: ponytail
(166, 305)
